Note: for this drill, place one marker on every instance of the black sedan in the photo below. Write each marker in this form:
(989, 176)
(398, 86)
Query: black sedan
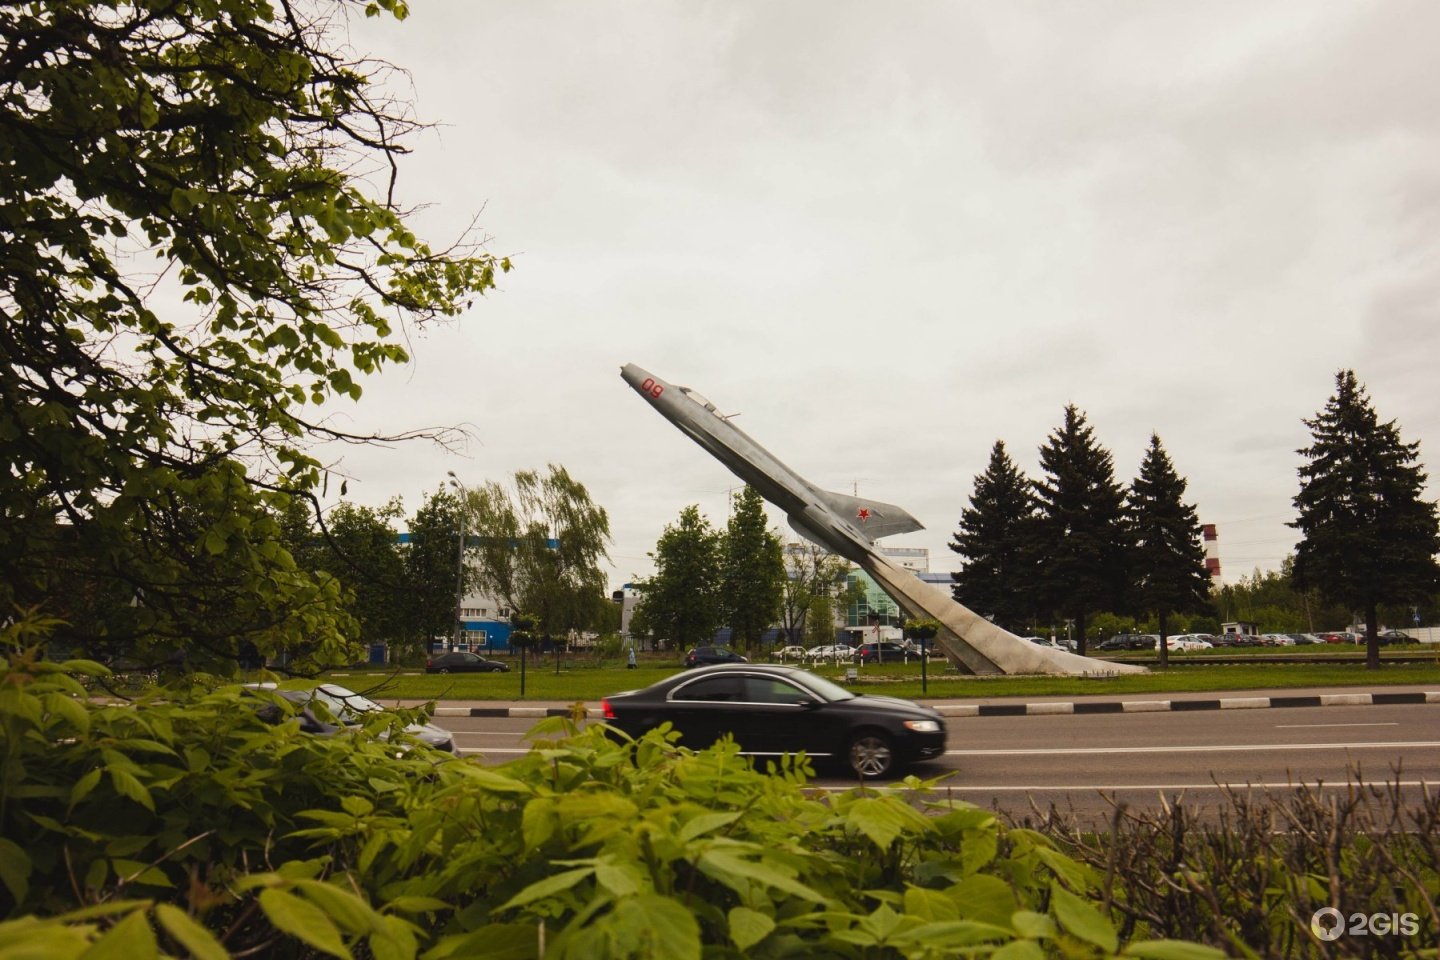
(705, 656)
(459, 661)
(775, 710)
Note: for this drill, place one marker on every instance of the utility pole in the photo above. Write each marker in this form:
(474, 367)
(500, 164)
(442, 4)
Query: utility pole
(459, 563)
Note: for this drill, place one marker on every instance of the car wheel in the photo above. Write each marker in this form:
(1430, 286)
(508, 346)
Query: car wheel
(870, 755)
(443, 670)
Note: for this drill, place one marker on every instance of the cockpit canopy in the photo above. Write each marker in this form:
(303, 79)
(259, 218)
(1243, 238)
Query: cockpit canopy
(697, 398)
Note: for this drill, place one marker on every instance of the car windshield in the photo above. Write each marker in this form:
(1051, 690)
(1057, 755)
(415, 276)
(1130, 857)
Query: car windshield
(825, 689)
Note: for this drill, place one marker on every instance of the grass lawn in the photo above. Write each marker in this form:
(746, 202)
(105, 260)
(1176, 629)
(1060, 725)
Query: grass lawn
(582, 680)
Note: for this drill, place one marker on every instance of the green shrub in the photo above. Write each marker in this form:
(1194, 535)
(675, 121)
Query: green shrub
(190, 825)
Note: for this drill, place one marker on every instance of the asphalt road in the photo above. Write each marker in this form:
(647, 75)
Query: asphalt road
(1086, 763)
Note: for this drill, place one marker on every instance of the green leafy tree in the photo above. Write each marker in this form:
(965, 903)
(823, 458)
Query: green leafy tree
(1081, 536)
(996, 538)
(681, 602)
(537, 546)
(432, 570)
(364, 553)
(820, 622)
(195, 256)
(1368, 534)
(1169, 557)
(811, 573)
(752, 571)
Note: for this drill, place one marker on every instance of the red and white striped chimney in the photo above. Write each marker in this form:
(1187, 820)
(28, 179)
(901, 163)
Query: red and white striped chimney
(1212, 551)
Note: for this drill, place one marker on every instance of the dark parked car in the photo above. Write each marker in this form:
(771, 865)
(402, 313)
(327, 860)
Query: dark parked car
(706, 656)
(1393, 636)
(342, 709)
(1129, 641)
(458, 661)
(774, 710)
(886, 651)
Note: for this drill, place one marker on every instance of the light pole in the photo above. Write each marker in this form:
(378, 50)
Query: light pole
(459, 562)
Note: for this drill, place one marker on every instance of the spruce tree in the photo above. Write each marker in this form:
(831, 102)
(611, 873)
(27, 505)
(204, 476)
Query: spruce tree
(1369, 536)
(752, 571)
(996, 539)
(1169, 558)
(1082, 539)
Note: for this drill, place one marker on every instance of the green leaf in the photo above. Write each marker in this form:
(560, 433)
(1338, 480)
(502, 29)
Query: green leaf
(1082, 919)
(15, 869)
(737, 873)
(664, 928)
(127, 785)
(878, 819)
(1172, 950)
(546, 888)
(83, 786)
(303, 920)
(1034, 925)
(705, 823)
(617, 880)
(70, 710)
(985, 898)
(748, 927)
(930, 905)
(353, 914)
(129, 939)
(1019, 950)
(192, 936)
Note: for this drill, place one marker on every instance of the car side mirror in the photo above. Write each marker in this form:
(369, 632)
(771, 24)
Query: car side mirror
(807, 704)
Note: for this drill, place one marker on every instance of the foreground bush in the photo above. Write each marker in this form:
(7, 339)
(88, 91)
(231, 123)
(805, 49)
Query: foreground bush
(192, 826)
(1250, 875)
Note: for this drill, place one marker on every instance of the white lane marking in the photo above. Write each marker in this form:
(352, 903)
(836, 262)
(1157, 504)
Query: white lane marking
(1209, 748)
(1302, 726)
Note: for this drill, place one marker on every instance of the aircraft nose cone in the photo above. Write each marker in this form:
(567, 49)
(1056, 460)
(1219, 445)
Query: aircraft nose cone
(634, 375)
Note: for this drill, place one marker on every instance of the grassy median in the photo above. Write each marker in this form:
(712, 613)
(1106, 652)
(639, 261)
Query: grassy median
(581, 679)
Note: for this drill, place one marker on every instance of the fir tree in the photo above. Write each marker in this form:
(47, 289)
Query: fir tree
(996, 539)
(1169, 558)
(1369, 536)
(1081, 537)
(752, 571)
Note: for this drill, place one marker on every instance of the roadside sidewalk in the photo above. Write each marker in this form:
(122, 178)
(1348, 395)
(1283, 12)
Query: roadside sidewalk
(1037, 706)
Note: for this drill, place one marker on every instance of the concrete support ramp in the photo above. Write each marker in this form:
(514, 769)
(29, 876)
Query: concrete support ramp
(972, 643)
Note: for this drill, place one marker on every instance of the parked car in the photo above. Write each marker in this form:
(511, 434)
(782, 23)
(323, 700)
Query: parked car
(705, 656)
(1395, 636)
(1190, 641)
(885, 651)
(1277, 640)
(830, 651)
(1304, 638)
(1048, 644)
(774, 710)
(1342, 636)
(459, 661)
(1129, 641)
(341, 709)
(789, 653)
(1238, 640)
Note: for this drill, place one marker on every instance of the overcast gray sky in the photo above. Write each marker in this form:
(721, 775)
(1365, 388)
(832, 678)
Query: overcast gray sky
(890, 235)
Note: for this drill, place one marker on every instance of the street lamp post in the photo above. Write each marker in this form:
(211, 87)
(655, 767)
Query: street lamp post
(459, 564)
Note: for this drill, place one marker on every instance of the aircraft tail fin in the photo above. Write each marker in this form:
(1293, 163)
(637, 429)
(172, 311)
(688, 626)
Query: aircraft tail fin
(873, 518)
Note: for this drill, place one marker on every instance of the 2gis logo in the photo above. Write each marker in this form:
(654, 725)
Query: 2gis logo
(1329, 923)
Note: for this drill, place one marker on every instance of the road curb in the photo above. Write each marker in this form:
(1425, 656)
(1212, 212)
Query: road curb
(1050, 708)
